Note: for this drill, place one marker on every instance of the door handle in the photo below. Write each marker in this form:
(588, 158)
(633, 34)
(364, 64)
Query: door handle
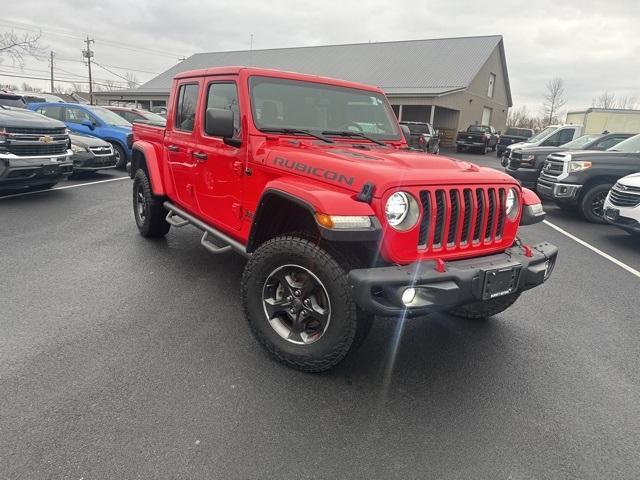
(173, 148)
(200, 156)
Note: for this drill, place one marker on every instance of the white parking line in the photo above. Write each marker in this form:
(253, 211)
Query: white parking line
(629, 269)
(64, 188)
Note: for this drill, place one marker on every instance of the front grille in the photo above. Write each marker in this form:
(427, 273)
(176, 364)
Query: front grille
(106, 150)
(456, 217)
(36, 149)
(629, 197)
(37, 131)
(553, 168)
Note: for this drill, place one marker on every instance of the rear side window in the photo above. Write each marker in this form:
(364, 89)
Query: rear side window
(225, 96)
(51, 112)
(186, 107)
(610, 142)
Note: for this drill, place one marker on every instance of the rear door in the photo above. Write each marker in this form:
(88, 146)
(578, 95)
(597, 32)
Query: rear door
(179, 141)
(220, 167)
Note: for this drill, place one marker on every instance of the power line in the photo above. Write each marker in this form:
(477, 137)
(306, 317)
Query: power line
(59, 80)
(117, 75)
(63, 59)
(50, 31)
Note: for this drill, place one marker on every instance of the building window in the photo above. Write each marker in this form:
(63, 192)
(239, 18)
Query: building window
(486, 116)
(492, 85)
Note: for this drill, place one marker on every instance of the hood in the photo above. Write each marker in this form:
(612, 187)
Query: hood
(22, 118)
(513, 146)
(592, 155)
(632, 180)
(343, 165)
(540, 150)
(86, 140)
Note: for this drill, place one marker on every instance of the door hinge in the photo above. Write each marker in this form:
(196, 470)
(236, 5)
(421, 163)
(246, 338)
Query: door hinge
(238, 167)
(236, 209)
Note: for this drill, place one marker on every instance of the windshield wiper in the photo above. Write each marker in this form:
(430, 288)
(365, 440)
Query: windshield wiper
(297, 130)
(348, 133)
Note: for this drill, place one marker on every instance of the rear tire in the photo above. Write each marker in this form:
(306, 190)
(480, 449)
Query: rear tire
(591, 204)
(484, 309)
(148, 211)
(324, 335)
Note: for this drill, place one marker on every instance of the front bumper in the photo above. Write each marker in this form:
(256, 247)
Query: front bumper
(626, 218)
(20, 172)
(528, 177)
(564, 192)
(88, 162)
(379, 290)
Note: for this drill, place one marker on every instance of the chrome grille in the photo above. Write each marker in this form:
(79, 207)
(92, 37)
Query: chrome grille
(102, 150)
(553, 168)
(37, 131)
(459, 216)
(624, 196)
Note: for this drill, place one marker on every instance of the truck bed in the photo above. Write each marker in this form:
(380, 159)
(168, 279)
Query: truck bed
(148, 132)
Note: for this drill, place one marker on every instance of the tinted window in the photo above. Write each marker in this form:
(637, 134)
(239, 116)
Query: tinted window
(12, 101)
(566, 136)
(417, 128)
(51, 112)
(610, 142)
(478, 129)
(186, 107)
(76, 115)
(225, 96)
(518, 132)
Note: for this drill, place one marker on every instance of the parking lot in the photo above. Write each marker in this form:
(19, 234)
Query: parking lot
(129, 358)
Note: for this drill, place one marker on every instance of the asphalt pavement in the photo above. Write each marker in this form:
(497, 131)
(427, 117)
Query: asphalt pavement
(122, 357)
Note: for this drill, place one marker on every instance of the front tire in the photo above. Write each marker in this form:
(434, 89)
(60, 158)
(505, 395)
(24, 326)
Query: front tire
(591, 205)
(485, 309)
(121, 156)
(148, 211)
(296, 299)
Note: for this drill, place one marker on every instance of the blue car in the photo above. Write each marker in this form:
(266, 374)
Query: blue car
(95, 121)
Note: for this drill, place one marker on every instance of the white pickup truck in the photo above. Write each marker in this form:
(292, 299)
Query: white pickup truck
(552, 136)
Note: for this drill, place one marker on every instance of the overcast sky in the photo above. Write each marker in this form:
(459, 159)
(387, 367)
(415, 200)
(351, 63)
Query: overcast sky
(592, 45)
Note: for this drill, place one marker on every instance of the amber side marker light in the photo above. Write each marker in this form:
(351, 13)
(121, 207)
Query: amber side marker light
(343, 222)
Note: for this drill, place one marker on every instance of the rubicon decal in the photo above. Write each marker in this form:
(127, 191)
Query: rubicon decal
(315, 171)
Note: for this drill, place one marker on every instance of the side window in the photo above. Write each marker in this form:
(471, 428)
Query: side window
(225, 96)
(566, 136)
(492, 85)
(608, 142)
(186, 107)
(552, 141)
(76, 115)
(51, 112)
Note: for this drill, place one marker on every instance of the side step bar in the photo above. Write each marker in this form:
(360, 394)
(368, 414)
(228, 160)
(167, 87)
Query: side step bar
(179, 218)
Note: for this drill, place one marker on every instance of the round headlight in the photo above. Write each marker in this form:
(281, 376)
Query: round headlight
(511, 205)
(401, 211)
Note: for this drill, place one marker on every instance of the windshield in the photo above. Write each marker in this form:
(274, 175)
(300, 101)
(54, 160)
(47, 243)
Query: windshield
(12, 101)
(280, 104)
(109, 117)
(580, 142)
(478, 128)
(542, 134)
(630, 145)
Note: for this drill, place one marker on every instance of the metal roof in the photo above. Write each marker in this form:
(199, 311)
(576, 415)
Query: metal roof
(412, 67)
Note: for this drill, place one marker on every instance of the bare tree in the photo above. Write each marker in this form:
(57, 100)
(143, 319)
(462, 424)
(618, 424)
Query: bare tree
(521, 118)
(630, 102)
(28, 88)
(16, 47)
(77, 87)
(110, 85)
(604, 100)
(554, 100)
(132, 80)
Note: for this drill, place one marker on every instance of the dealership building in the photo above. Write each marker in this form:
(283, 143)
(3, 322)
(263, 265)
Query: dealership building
(449, 82)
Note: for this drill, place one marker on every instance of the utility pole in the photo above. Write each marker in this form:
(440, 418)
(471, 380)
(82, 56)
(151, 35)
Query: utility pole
(52, 72)
(88, 54)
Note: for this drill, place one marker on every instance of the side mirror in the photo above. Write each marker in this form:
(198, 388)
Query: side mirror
(405, 132)
(218, 122)
(89, 124)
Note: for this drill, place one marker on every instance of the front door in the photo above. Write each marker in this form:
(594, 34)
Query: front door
(76, 119)
(179, 142)
(220, 166)
(486, 116)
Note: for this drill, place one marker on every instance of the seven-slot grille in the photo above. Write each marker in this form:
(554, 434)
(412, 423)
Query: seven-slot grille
(454, 217)
(625, 196)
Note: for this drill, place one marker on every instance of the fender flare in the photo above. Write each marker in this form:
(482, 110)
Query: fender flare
(148, 152)
(316, 198)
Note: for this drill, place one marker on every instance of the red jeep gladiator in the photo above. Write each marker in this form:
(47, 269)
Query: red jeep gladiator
(311, 179)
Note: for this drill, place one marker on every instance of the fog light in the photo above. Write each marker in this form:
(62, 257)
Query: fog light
(408, 296)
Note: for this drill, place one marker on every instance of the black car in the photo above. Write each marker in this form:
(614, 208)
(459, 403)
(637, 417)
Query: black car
(582, 179)
(91, 154)
(33, 148)
(481, 138)
(525, 164)
(512, 135)
(422, 136)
